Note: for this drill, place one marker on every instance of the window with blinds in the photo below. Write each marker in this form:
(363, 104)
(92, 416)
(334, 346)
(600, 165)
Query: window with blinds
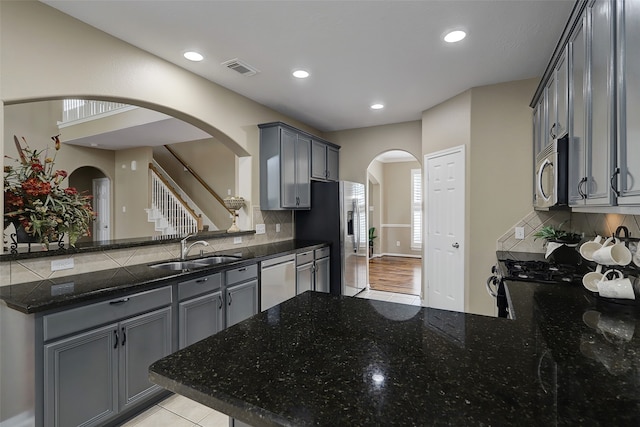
(416, 209)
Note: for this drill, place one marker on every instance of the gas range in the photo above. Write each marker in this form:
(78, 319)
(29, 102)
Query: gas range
(543, 272)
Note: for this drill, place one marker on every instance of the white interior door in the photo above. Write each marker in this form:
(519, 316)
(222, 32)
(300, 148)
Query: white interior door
(444, 223)
(102, 207)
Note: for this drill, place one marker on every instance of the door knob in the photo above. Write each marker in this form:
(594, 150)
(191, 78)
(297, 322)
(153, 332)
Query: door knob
(455, 245)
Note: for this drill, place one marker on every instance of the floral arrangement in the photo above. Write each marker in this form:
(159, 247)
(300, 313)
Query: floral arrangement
(35, 199)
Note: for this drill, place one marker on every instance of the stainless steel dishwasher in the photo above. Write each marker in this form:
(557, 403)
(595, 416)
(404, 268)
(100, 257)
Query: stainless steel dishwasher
(277, 280)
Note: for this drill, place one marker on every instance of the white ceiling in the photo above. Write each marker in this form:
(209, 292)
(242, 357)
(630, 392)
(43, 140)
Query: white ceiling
(358, 52)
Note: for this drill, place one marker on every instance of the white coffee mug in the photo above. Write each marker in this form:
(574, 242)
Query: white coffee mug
(591, 279)
(612, 254)
(618, 287)
(588, 248)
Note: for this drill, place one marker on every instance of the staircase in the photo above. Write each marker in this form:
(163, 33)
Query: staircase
(169, 211)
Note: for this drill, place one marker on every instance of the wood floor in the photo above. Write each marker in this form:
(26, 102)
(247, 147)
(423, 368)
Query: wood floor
(395, 274)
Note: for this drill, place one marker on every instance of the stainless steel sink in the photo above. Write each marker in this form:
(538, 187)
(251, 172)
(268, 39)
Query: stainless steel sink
(213, 260)
(179, 265)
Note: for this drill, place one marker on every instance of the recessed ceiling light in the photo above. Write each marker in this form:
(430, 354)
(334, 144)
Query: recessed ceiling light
(377, 106)
(455, 36)
(301, 74)
(193, 56)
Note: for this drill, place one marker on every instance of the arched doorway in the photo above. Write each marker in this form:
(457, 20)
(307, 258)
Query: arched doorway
(395, 223)
(92, 181)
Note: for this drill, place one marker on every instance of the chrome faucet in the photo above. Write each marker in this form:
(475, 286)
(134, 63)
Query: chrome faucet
(184, 249)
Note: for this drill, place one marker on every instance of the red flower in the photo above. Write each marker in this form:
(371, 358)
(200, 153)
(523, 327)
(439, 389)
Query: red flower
(37, 167)
(61, 173)
(35, 187)
(71, 191)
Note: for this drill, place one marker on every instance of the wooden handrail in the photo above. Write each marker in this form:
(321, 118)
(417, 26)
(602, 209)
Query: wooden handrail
(177, 196)
(198, 178)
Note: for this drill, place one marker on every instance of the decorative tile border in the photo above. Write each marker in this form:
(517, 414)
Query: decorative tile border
(587, 223)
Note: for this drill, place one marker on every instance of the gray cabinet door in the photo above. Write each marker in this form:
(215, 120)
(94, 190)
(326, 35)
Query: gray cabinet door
(199, 318)
(318, 160)
(333, 164)
(600, 137)
(562, 95)
(303, 173)
(628, 102)
(80, 378)
(143, 340)
(288, 174)
(577, 115)
(322, 275)
(550, 97)
(304, 278)
(242, 301)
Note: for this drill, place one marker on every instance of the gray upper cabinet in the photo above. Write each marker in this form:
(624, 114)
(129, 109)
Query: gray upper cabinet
(285, 157)
(324, 161)
(600, 154)
(579, 95)
(577, 113)
(628, 66)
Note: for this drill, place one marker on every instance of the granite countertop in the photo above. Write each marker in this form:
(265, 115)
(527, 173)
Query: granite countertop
(44, 295)
(318, 359)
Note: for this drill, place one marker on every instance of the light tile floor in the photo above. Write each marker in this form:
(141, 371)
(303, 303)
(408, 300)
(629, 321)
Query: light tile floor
(178, 411)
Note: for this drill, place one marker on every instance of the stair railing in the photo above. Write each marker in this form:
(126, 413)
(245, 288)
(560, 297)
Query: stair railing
(198, 178)
(182, 218)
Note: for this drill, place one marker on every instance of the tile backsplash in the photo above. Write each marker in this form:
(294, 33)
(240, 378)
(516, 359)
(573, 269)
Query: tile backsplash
(590, 224)
(28, 270)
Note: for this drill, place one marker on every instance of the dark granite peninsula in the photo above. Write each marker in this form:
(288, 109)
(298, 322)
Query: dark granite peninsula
(324, 360)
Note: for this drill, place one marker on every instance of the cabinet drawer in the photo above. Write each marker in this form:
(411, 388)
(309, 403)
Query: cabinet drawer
(304, 257)
(323, 252)
(199, 286)
(241, 274)
(76, 319)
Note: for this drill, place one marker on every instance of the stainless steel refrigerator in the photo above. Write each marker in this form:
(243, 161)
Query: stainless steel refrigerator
(338, 215)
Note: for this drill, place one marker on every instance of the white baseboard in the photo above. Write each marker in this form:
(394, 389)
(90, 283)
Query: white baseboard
(401, 255)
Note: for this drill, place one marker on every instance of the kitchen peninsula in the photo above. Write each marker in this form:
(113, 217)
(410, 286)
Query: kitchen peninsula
(318, 359)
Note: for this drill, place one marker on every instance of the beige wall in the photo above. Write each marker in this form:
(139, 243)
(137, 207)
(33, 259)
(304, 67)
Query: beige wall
(361, 146)
(396, 207)
(494, 123)
(501, 173)
(131, 197)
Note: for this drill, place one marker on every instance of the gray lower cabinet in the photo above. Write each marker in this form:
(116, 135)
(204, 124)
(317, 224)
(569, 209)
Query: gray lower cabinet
(200, 309)
(322, 276)
(200, 318)
(312, 271)
(241, 293)
(81, 377)
(96, 357)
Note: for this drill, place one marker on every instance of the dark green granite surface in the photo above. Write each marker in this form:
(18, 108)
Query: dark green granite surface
(324, 360)
(44, 295)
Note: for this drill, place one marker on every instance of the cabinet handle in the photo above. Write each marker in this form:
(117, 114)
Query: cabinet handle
(616, 171)
(553, 135)
(229, 295)
(202, 280)
(115, 333)
(583, 193)
(120, 301)
(124, 336)
(220, 298)
(243, 269)
(327, 174)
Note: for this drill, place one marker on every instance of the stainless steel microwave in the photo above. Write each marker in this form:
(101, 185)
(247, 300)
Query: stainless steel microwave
(551, 175)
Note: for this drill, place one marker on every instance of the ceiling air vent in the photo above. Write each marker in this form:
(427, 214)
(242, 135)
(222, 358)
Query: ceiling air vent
(240, 67)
